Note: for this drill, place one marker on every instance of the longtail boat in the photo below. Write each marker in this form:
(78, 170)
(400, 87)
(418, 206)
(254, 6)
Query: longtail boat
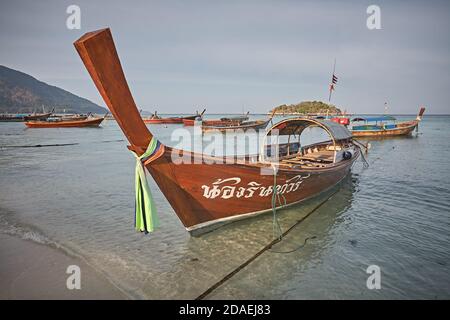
(37, 116)
(155, 119)
(225, 121)
(211, 122)
(59, 123)
(231, 126)
(12, 117)
(237, 118)
(24, 117)
(206, 191)
(173, 120)
(72, 117)
(384, 126)
(345, 121)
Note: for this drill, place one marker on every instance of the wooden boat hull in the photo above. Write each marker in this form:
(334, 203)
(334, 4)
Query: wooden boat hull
(253, 125)
(202, 200)
(74, 118)
(216, 122)
(164, 121)
(172, 120)
(41, 116)
(11, 119)
(65, 124)
(22, 118)
(402, 129)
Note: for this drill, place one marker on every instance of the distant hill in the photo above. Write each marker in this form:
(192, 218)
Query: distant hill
(21, 93)
(307, 107)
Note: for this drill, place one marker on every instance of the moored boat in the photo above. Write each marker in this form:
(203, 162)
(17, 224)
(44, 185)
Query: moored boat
(24, 117)
(37, 116)
(384, 126)
(345, 121)
(70, 117)
(173, 120)
(59, 123)
(224, 121)
(211, 122)
(12, 117)
(155, 119)
(241, 118)
(232, 126)
(204, 190)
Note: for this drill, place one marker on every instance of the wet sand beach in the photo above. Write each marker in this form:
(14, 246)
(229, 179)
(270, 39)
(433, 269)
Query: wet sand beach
(33, 271)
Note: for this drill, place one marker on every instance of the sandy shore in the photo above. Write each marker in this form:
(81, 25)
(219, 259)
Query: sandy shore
(32, 271)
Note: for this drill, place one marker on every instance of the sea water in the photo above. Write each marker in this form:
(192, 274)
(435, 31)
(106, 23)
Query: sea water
(394, 214)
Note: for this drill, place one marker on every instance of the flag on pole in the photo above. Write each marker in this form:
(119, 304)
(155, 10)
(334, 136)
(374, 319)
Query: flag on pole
(334, 80)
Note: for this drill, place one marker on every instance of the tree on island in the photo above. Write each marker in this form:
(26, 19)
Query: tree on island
(307, 107)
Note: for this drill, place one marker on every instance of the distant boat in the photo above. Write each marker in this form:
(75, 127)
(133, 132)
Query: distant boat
(70, 117)
(37, 116)
(246, 125)
(59, 123)
(237, 118)
(233, 126)
(172, 120)
(210, 122)
(344, 120)
(10, 117)
(384, 126)
(155, 119)
(24, 117)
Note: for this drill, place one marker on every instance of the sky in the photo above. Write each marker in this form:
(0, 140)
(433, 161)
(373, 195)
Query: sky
(230, 56)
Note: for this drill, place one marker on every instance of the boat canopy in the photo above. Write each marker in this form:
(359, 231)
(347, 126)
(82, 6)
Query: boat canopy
(374, 119)
(295, 126)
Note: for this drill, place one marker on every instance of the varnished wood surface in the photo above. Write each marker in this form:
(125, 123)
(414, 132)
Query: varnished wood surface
(403, 129)
(65, 123)
(182, 186)
(99, 55)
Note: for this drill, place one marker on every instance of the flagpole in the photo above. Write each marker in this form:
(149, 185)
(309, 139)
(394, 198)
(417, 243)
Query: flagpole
(334, 69)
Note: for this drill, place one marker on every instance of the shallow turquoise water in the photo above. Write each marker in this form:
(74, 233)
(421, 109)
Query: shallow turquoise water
(395, 214)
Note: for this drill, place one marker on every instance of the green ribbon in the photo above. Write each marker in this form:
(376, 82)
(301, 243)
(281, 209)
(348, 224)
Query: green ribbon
(146, 218)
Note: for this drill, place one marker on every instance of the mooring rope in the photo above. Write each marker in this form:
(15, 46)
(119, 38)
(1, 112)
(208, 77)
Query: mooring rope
(363, 158)
(277, 232)
(293, 250)
(360, 145)
(260, 252)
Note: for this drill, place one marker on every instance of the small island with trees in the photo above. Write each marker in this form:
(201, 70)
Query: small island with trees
(307, 108)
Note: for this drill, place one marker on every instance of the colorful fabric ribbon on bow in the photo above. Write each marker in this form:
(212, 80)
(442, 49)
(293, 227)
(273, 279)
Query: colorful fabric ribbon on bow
(146, 219)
